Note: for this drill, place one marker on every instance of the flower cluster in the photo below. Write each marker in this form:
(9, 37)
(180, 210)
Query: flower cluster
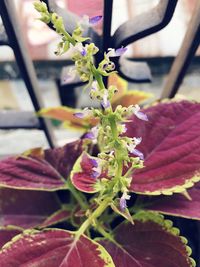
(116, 149)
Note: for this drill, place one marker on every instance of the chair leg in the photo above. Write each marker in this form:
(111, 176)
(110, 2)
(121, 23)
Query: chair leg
(186, 53)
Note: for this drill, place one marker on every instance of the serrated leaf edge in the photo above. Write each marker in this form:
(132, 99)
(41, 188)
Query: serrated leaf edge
(175, 189)
(167, 225)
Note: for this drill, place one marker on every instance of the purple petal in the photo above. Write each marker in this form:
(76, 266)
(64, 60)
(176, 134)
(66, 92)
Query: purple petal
(138, 153)
(94, 163)
(79, 115)
(83, 52)
(120, 51)
(95, 174)
(140, 115)
(89, 135)
(95, 20)
(122, 203)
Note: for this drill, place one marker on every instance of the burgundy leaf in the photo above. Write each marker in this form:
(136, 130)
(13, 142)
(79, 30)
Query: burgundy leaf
(29, 173)
(54, 248)
(178, 204)
(84, 174)
(150, 242)
(63, 158)
(7, 233)
(57, 217)
(37, 169)
(171, 148)
(26, 208)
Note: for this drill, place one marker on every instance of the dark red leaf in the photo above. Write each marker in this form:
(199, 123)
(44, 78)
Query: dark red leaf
(54, 248)
(63, 158)
(57, 217)
(178, 204)
(150, 242)
(25, 208)
(171, 147)
(29, 173)
(84, 175)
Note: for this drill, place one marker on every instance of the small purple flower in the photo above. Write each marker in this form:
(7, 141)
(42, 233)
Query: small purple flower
(122, 201)
(95, 174)
(85, 113)
(140, 115)
(138, 153)
(94, 163)
(95, 20)
(116, 53)
(79, 115)
(120, 51)
(137, 140)
(84, 52)
(93, 134)
(86, 21)
(69, 75)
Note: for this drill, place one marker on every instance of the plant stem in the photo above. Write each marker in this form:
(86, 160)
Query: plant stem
(94, 216)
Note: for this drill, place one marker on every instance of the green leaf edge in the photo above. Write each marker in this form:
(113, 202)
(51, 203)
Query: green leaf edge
(76, 169)
(104, 255)
(57, 221)
(175, 189)
(167, 225)
(64, 187)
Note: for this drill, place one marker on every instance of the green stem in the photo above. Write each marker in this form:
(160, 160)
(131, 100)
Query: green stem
(104, 204)
(97, 77)
(77, 195)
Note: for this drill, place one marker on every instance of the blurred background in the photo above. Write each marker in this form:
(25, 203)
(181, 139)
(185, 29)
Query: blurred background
(158, 50)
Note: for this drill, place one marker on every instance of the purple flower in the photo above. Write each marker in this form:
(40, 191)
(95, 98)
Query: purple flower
(79, 115)
(120, 51)
(95, 20)
(94, 163)
(84, 52)
(69, 75)
(140, 115)
(86, 21)
(95, 174)
(138, 153)
(93, 134)
(85, 113)
(116, 53)
(122, 201)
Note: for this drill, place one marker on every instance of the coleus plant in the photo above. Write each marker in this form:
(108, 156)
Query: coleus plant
(108, 190)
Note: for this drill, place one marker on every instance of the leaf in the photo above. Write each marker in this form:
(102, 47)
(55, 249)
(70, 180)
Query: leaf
(25, 208)
(178, 204)
(150, 242)
(57, 217)
(66, 114)
(171, 148)
(54, 248)
(83, 175)
(7, 233)
(29, 173)
(63, 158)
(39, 169)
